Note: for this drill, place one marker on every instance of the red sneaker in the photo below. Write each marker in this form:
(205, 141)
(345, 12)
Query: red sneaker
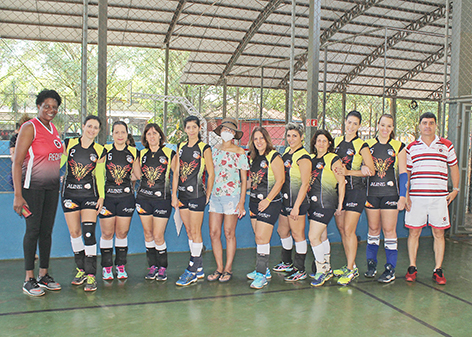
(411, 274)
(438, 276)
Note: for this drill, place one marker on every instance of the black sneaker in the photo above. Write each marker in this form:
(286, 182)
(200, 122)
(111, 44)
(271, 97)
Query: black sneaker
(388, 275)
(32, 288)
(47, 282)
(371, 268)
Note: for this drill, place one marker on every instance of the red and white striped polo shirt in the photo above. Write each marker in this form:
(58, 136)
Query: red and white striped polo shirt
(428, 166)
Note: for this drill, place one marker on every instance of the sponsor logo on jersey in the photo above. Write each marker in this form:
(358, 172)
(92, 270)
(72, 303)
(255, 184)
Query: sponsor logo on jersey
(87, 186)
(127, 190)
(352, 204)
(263, 215)
(319, 166)
(260, 196)
(115, 190)
(196, 155)
(190, 188)
(158, 193)
(288, 163)
(377, 184)
(391, 203)
(264, 164)
(75, 186)
(285, 196)
(129, 159)
(54, 156)
(128, 210)
(350, 152)
(90, 203)
(57, 143)
(160, 211)
(143, 191)
(390, 183)
(318, 215)
(93, 157)
(314, 198)
(163, 160)
(139, 209)
(391, 153)
(193, 206)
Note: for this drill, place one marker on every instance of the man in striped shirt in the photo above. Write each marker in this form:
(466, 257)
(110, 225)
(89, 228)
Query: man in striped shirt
(429, 159)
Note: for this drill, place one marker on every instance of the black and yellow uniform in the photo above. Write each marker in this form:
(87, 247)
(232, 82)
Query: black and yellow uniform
(349, 152)
(192, 187)
(323, 193)
(262, 180)
(79, 189)
(119, 200)
(293, 180)
(382, 188)
(154, 195)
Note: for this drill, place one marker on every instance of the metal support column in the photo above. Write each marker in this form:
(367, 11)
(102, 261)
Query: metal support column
(325, 77)
(292, 60)
(83, 77)
(393, 112)
(343, 117)
(262, 96)
(225, 93)
(442, 116)
(166, 89)
(313, 65)
(102, 68)
(385, 70)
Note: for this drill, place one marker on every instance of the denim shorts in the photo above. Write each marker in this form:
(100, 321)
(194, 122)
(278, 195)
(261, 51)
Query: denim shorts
(225, 204)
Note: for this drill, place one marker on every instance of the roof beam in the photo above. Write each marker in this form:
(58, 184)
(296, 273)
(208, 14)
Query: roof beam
(393, 89)
(328, 33)
(173, 22)
(271, 6)
(438, 13)
(438, 93)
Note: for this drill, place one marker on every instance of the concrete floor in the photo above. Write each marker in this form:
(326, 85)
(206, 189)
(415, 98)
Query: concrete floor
(140, 308)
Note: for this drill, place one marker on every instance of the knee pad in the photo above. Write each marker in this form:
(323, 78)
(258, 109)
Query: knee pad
(88, 230)
(391, 244)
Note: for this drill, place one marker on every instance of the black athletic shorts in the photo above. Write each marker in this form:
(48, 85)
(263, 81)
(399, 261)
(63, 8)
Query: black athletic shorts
(323, 215)
(159, 208)
(118, 206)
(285, 211)
(386, 202)
(270, 215)
(76, 204)
(196, 205)
(354, 200)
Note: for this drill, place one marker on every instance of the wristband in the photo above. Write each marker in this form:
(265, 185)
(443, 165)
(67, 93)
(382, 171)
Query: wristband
(403, 182)
(456, 189)
(268, 199)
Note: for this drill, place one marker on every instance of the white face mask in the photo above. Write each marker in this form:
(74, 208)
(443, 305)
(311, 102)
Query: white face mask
(226, 136)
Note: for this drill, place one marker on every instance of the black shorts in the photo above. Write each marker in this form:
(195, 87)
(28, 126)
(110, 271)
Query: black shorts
(270, 215)
(72, 204)
(118, 206)
(386, 202)
(319, 214)
(354, 200)
(196, 205)
(285, 211)
(159, 208)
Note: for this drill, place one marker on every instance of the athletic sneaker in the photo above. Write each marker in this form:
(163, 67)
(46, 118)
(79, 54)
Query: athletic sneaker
(186, 278)
(79, 278)
(388, 275)
(344, 270)
(252, 275)
(121, 273)
(200, 273)
(296, 275)
(321, 278)
(91, 284)
(348, 277)
(371, 268)
(283, 267)
(161, 274)
(32, 288)
(259, 281)
(47, 282)
(411, 274)
(107, 273)
(152, 273)
(438, 276)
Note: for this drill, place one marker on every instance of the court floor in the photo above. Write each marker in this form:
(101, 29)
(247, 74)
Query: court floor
(140, 308)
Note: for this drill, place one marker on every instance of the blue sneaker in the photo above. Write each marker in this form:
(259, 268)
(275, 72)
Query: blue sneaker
(283, 267)
(259, 281)
(200, 273)
(186, 278)
(321, 278)
(252, 275)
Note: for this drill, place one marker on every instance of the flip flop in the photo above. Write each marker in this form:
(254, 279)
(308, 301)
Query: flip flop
(215, 276)
(224, 275)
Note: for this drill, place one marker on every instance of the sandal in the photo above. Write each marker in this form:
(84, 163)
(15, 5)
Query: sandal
(215, 276)
(226, 276)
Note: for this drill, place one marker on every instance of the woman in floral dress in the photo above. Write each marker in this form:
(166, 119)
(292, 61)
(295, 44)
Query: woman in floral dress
(228, 196)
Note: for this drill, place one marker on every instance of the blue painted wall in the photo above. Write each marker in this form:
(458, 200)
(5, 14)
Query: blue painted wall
(12, 229)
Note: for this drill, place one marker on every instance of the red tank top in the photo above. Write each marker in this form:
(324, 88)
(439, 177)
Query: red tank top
(41, 165)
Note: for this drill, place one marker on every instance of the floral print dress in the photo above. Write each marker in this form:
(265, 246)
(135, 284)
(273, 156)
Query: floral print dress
(227, 166)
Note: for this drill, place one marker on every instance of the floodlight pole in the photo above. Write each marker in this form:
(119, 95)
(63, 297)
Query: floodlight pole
(83, 80)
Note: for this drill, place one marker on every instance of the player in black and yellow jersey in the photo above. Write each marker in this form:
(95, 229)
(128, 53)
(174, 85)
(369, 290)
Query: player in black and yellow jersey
(357, 163)
(266, 177)
(82, 198)
(297, 163)
(194, 184)
(121, 161)
(385, 197)
(326, 194)
(153, 198)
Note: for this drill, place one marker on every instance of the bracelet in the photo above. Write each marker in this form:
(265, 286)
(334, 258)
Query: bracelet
(269, 199)
(456, 189)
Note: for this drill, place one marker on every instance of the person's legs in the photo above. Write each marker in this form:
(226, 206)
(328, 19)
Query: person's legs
(439, 246)
(230, 222)
(215, 223)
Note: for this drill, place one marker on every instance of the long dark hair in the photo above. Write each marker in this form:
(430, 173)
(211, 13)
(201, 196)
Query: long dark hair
(357, 114)
(315, 137)
(252, 149)
(119, 123)
(194, 119)
(392, 134)
(159, 131)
